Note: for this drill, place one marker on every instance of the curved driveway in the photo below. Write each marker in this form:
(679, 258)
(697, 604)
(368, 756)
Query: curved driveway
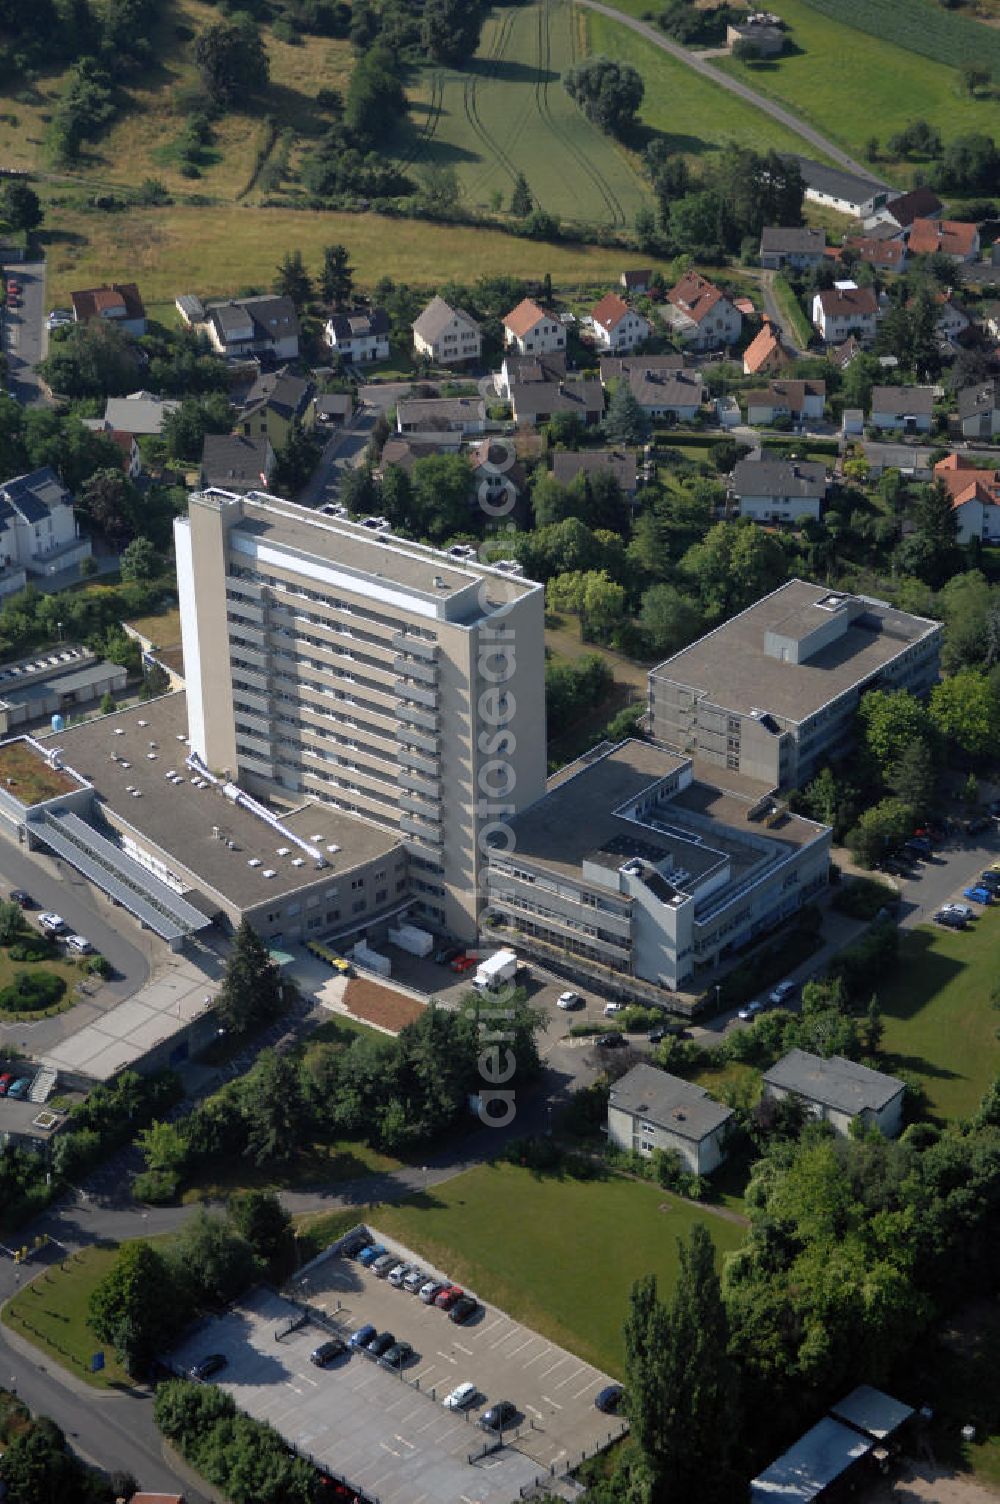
(734, 85)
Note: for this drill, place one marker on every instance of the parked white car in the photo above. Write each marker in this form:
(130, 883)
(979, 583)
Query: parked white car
(610, 1009)
(54, 923)
(568, 1001)
(460, 1398)
(80, 944)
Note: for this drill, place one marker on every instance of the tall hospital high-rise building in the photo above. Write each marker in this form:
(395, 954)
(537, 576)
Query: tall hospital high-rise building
(330, 660)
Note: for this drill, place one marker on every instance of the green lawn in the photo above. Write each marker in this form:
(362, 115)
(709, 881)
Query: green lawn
(559, 1254)
(508, 112)
(695, 116)
(939, 1022)
(852, 85)
(51, 1312)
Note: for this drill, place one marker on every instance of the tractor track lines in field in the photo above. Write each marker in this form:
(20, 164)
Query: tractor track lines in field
(601, 183)
(430, 125)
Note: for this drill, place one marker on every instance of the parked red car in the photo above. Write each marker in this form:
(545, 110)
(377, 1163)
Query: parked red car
(463, 963)
(5, 1081)
(448, 1297)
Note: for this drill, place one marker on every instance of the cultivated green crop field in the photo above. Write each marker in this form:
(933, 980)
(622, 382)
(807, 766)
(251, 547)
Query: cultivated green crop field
(851, 84)
(695, 116)
(508, 112)
(940, 1025)
(920, 26)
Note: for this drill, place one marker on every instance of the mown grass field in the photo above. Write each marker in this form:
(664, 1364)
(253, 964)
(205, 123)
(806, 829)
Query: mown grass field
(51, 1312)
(559, 1254)
(508, 112)
(852, 85)
(940, 1025)
(695, 116)
(219, 250)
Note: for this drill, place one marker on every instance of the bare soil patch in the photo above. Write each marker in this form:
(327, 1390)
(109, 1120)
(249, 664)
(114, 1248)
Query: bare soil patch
(380, 1005)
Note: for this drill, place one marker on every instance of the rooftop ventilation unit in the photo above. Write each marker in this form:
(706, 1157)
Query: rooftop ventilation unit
(268, 872)
(508, 566)
(376, 524)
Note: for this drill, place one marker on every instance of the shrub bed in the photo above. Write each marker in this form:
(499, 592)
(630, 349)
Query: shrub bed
(863, 897)
(33, 949)
(31, 991)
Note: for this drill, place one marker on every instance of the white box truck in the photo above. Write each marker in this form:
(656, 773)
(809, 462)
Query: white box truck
(408, 937)
(496, 970)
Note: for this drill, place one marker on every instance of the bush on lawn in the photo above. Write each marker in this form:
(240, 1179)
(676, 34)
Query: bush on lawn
(31, 991)
(863, 897)
(99, 966)
(34, 949)
(156, 1187)
(243, 1457)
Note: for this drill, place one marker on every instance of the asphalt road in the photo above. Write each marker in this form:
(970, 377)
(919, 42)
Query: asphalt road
(345, 450)
(724, 81)
(24, 332)
(83, 909)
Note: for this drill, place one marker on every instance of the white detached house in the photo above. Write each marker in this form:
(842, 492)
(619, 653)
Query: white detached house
(617, 327)
(531, 330)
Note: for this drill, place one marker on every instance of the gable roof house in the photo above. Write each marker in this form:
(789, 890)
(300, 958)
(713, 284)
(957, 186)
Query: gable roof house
(698, 313)
(130, 456)
(900, 212)
(275, 401)
(944, 237)
(616, 326)
(532, 330)
(952, 320)
(614, 368)
(910, 408)
(567, 464)
(788, 245)
(238, 327)
(676, 395)
(844, 310)
(797, 400)
(979, 410)
(232, 462)
(873, 250)
(762, 31)
(838, 1091)
(523, 370)
(778, 490)
(119, 304)
(650, 1109)
(39, 534)
(405, 451)
(765, 352)
(846, 192)
(975, 497)
(428, 416)
(139, 413)
(538, 401)
(359, 336)
(445, 335)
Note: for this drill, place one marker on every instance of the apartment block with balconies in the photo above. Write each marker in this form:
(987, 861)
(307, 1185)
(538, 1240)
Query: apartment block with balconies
(397, 683)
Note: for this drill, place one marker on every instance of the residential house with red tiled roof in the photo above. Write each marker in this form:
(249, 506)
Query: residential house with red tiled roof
(900, 212)
(765, 352)
(531, 329)
(944, 237)
(700, 314)
(884, 255)
(975, 496)
(617, 327)
(119, 304)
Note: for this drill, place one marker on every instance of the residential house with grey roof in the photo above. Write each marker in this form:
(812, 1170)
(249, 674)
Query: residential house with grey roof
(847, 192)
(141, 413)
(446, 336)
(909, 408)
(239, 327)
(360, 336)
(534, 403)
(797, 400)
(441, 415)
(674, 395)
(567, 464)
(801, 246)
(234, 462)
(276, 401)
(650, 1109)
(979, 410)
(838, 1091)
(778, 490)
(772, 692)
(39, 534)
